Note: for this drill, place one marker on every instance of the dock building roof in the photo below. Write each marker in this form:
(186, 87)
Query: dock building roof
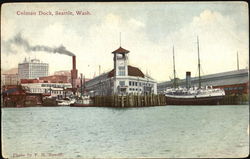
(132, 71)
(121, 50)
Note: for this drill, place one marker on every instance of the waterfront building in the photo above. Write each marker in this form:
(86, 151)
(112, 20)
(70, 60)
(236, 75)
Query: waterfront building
(59, 90)
(233, 82)
(31, 69)
(122, 79)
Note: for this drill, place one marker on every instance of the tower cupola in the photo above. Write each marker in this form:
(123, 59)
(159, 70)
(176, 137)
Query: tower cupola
(120, 61)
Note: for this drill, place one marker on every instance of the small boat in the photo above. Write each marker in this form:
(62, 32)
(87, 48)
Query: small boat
(193, 95)
(19, 106)
(84, 102)
(65, 102)
(49, 101)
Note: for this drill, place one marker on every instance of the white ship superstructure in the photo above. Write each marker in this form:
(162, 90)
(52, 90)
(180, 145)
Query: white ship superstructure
(194, 92)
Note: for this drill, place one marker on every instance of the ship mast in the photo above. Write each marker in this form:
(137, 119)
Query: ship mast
(84, 86)
(237, 61)
(199, 65)
(174, 69)
(81, 84)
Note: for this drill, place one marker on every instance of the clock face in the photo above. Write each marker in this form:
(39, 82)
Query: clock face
(121, 63)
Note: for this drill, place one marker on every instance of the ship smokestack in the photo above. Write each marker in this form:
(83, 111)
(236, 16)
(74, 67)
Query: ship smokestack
(188, 79)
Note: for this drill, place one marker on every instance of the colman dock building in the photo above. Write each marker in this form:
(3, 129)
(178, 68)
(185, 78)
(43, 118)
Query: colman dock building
(122, 79)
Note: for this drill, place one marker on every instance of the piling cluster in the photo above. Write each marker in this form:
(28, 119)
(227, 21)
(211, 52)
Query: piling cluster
(129, 100)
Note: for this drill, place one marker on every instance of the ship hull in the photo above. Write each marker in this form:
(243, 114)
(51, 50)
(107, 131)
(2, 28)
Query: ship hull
(194, 101)
(81, 105)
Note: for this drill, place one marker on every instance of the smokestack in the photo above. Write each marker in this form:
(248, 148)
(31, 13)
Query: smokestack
(188, 79)
(73, 72)
(74, 62)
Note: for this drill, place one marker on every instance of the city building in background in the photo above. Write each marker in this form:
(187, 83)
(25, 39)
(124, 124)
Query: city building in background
(55, 79)
(123, 79)
(31, 69)
(233, 82)
(67, 73)
(9, 79)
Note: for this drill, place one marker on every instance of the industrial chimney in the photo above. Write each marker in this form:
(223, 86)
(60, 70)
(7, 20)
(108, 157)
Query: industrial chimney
(73, 72)
(188, 79)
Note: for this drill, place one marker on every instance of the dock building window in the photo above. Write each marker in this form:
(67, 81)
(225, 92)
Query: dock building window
(122, 83)
(121, 70)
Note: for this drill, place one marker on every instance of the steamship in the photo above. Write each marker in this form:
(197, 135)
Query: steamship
(193, 95)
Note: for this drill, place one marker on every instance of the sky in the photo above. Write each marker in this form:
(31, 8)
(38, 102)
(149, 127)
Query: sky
(149, 30)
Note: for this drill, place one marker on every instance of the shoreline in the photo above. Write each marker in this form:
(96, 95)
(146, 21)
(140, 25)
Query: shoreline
(247, 104)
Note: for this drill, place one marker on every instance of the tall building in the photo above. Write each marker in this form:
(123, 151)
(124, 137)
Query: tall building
(31, 69)
(123, 79)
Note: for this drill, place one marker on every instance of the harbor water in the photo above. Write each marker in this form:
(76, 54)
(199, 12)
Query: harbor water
(164, 132)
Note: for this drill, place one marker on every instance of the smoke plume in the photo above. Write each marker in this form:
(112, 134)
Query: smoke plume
(20, 41)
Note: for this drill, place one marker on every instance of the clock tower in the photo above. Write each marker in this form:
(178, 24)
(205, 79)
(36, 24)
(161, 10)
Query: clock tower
(120, 62)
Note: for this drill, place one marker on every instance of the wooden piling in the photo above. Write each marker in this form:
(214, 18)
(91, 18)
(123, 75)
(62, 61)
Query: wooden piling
(130, 100)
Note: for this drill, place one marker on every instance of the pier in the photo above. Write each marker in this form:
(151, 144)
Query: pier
(129, 100)
(235, 100)
(154, 100)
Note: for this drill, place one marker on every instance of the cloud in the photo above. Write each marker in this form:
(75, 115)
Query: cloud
(136, 23)
(219, 42)
(93, 43)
